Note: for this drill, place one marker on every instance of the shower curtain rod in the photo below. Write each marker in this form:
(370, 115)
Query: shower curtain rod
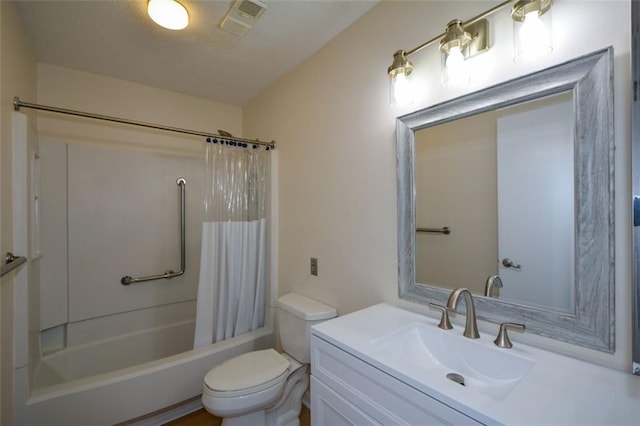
(17, 104)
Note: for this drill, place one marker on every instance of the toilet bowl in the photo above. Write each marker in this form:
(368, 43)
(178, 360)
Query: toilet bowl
(248, 382)
(266, 387)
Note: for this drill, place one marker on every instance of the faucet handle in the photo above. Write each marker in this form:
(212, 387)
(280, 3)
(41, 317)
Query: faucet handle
(445, 324)
(503, 340)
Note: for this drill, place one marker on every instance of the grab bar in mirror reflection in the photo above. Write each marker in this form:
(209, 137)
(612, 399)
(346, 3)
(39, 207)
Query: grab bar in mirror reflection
(444, 230)
(11, 262)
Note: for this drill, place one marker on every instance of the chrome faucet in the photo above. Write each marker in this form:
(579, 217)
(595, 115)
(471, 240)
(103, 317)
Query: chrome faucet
(493, 281)
(471, 326)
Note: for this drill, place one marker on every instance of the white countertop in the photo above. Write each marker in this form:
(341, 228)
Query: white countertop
(558, 390)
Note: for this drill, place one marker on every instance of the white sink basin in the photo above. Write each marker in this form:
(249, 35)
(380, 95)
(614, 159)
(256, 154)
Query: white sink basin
(427, 351)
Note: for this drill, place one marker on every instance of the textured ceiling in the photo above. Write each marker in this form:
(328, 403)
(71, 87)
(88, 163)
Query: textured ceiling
(117, 39)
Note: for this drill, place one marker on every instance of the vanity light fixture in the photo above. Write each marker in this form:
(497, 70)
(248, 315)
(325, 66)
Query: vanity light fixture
(531, 29)
(455, 70)
(400, 92)
(168, 14)
(463, 40)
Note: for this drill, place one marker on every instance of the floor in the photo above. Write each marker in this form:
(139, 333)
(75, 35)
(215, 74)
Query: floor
(202, 418)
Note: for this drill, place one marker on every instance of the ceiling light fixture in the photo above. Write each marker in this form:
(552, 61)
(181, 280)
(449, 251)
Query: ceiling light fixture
(168, 14)
(463, 40)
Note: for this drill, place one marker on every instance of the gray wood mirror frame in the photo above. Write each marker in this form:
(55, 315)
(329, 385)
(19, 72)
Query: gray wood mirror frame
(635, 189)
(590, 79)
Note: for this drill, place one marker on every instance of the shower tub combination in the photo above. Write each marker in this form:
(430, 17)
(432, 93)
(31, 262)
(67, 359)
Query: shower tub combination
(105, 367)
(99, 384)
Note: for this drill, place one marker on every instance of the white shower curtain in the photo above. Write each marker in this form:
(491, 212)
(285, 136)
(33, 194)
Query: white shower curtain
(233, 257)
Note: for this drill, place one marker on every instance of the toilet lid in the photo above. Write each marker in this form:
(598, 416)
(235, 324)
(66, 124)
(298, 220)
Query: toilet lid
(246, 371)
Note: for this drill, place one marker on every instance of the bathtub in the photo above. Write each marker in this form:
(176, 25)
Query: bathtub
(94, 385)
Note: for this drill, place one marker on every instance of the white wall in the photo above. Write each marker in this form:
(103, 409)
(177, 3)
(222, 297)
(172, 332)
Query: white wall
(336, 137)
(67, 88)
(17, 77)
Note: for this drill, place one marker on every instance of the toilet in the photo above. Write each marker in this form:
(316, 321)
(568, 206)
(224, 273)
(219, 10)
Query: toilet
(266, 387)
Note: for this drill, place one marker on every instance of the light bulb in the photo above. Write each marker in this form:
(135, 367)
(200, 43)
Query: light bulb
(168, 13)
(456, 68)
(401, 93)
(534, 38)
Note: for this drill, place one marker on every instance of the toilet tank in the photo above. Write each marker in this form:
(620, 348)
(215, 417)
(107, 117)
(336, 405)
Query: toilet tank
(296, 315)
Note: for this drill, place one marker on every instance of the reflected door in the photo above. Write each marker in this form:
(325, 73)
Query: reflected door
(536, 206)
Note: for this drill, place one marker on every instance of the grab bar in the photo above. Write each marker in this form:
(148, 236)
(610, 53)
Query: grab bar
(126, 280)
(445, 230)
(11, 262)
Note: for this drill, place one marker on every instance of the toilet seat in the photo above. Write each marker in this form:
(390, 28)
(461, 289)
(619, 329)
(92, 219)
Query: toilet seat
(246, 383)
(247, 373)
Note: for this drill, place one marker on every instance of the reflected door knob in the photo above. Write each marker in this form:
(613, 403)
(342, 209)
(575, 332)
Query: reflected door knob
(508, 263)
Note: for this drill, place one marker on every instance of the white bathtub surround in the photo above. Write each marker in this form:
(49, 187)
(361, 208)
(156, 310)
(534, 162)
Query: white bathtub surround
(231, 290)
(108, 212)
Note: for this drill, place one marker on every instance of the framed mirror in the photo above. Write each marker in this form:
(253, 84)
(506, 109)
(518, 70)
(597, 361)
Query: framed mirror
(516, 180)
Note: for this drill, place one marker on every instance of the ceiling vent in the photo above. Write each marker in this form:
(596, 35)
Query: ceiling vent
(250, 9)
(234, 26)
(240, 18)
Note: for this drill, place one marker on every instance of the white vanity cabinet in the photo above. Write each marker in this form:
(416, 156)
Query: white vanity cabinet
(346, 390)
(386, 365)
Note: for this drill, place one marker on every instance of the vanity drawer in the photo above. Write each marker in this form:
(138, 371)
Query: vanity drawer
(384, 399)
